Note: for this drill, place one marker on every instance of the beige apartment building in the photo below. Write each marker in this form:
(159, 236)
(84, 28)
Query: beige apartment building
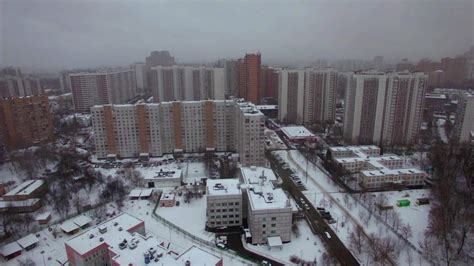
(464, 124)
(192, 126)
(224, 203)
(109, 87)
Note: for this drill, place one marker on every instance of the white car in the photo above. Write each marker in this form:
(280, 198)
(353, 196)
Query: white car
(328, 236)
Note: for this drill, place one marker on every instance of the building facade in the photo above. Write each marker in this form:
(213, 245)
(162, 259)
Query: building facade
(194, 126)
(464, 123)
(25, 121)
(111, 87)
(14, 84)
(186, 83)
(249, 75)
(224, 203)
(140, 76)
(384, 108)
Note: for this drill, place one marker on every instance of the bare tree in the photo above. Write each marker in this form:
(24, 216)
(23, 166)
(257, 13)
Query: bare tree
(357, 239)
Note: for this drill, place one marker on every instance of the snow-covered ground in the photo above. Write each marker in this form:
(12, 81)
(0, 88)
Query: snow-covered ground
(52, 249)
(306, 246)
(323, 192)
(183, 214)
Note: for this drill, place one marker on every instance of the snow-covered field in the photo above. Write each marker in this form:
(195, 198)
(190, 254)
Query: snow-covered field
(52, 249)
(189, 216)
(323, 192)
(306, 246)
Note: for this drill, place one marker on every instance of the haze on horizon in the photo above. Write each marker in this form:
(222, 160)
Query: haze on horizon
(67, 34)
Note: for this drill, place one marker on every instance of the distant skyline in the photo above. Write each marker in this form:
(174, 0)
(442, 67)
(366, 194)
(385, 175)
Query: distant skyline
(66, 34)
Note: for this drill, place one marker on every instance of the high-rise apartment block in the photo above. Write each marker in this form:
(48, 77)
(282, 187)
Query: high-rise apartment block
(187, 83)
(25, 121)
(192, 126)
(159, 58)
(140, 76)
(384, 108)
(14, 84)
(269, 82)
(249, 75)
(464, 125)
(307, 96)
(231, 77)
(111, 87)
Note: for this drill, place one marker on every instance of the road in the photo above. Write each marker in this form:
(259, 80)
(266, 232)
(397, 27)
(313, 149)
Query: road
(336, 246)
(234, 241)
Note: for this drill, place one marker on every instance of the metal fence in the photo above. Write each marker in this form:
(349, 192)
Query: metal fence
(209, 244)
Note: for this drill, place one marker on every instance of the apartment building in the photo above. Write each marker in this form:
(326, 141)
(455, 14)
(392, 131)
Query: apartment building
(375, 170)
(189, 126)
(25, 121)
(384, 108)
(140, 76)
(109, 87)
(291, 96)
(224, 203)
(307, 96)
(464, 123)
(187, 83)
(19, 86)
(249, 75)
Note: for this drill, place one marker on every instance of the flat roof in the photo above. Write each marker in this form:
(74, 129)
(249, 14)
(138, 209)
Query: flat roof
(82, 243)
(266, 197)
(43, 216)
(198, 256)
(18, 203)
(435, 96)
(27, 241)
(25, 188)
(221, 187)
(69, 226)
(274, 241)
(253, 174)
(82, 220)
(267, 107)
(9, 249)
(135, 193)
(146, 192)
(167, 196)
(297, 132)
(164, 172)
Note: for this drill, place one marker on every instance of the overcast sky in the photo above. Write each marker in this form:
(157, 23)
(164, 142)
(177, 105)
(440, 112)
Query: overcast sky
(56, 34)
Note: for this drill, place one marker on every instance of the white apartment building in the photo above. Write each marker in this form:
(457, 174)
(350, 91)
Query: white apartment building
(110, 87)
(307, 96)
(140, 76)
(464, 123)
(384, 108)
(224, 203)
(376, 170)
(187, 83)
(291, 95)
(192, 126)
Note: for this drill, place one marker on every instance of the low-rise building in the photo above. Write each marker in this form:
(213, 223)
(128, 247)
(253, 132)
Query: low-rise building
(375, 170)
(122, 240)
(167, 200)
(27, 190)
(164, 178)
(224, 203)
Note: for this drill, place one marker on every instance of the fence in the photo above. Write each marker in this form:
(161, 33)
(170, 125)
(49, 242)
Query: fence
(198, 240)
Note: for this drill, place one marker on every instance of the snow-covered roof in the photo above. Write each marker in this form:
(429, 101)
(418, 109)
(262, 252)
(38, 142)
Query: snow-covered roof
(274, 241)
(69, 226)
(198, 256)
(116, 231)
(135, 193)
(27, 241)
(42, 216)
(254, 174)
(9, 249)
(162, 173)
(221, 187)
(167, 196)
(82, 220)
(297, 132)
(146, 192)
(25, 188)
(435, 96)
(266, 197)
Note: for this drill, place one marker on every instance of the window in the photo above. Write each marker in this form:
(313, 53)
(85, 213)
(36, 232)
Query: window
(274, 218)
(273, 225)
(264, 225)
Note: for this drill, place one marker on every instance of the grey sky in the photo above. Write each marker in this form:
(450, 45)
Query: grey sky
(86, 33)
